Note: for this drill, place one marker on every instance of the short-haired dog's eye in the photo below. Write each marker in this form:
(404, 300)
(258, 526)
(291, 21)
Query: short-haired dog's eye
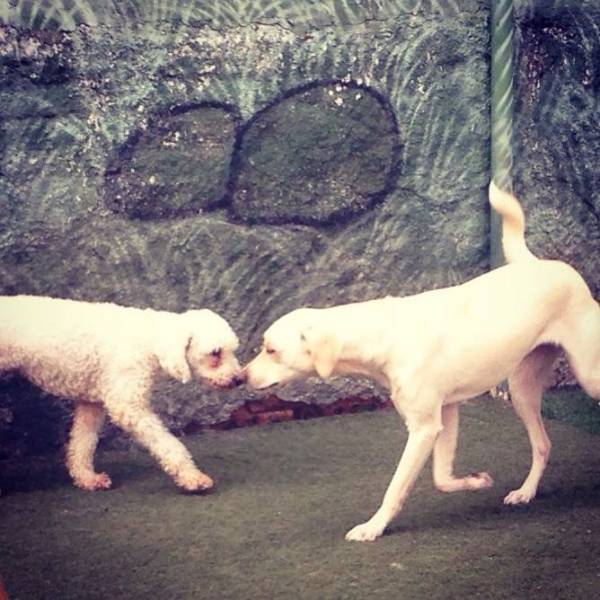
(270, 350)
(216, 352)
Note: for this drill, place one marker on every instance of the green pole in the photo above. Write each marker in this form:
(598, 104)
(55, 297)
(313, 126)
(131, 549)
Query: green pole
(502, 113)
(501, 35)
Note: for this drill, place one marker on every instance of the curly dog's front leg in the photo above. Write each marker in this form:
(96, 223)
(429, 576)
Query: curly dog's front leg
(139, 420)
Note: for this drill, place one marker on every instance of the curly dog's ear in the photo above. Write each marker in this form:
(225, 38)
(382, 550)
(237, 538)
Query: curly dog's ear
(171, 352)
(324, 349)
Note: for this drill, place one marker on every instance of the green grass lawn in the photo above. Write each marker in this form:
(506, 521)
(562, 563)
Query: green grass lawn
(286, 495)
(571, 406)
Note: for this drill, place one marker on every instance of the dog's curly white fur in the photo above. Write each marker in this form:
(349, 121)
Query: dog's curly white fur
(440, 347)
(105, 357)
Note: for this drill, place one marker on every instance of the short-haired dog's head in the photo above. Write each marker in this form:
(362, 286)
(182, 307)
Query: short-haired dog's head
(298, 344)
(200, 344)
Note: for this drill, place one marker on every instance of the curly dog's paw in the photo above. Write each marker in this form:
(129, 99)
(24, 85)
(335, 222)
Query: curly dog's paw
(195, 482)
(93, 482)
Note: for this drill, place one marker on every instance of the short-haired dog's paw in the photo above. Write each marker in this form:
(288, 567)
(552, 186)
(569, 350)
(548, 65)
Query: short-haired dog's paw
(366, 532)
(519, 496)
(479, 481)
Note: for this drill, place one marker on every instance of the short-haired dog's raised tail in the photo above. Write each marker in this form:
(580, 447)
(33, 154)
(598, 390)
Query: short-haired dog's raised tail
(513, 225)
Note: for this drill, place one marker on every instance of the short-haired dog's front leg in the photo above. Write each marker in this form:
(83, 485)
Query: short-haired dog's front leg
(423, 428)
(444, 451)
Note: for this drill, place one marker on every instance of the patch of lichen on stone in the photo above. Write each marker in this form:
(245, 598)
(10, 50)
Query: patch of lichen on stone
(321, 154)
(37, 74)
(177, 166)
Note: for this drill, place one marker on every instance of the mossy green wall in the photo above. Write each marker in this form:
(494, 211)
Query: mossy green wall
(557, 124)
(254, 156)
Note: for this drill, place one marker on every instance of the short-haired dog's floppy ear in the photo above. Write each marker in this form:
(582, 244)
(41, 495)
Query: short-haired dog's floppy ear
(324, 348)
(171, 351)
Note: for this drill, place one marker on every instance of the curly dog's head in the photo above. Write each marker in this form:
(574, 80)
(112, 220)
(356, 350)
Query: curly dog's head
(200, 344)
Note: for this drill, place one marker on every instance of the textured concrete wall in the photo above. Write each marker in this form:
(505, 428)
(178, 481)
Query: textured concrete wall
(557, 142)
(558, 129)
(253, 157)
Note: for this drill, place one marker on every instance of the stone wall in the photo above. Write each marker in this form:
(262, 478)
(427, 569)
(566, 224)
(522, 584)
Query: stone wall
(254, 156)
(557, 141)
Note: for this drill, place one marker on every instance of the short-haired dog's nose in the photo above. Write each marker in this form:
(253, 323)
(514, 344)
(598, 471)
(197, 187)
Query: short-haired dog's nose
(239, 379)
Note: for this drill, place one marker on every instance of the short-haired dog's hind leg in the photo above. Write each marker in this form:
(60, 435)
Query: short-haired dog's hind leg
(526, 385)
(444, 451)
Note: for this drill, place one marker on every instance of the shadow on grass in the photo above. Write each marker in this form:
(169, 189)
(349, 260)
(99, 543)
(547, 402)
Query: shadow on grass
(491, 514)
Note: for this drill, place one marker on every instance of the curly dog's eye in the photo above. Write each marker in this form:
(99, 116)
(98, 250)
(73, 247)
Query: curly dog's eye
(216, 353)
(269, 350)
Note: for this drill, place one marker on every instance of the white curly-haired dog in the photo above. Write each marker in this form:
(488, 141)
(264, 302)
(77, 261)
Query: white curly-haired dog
(436, 349)
(105, 357)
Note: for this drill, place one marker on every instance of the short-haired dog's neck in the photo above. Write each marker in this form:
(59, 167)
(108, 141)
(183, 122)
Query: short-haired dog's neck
(361, 347)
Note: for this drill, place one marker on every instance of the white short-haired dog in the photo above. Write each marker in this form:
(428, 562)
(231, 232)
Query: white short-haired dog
(105, 357)
(440, 347)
